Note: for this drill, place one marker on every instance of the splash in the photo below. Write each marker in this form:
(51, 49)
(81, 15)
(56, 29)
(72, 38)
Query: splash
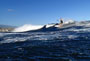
(69, 23)
(79, 31)
(27, 27)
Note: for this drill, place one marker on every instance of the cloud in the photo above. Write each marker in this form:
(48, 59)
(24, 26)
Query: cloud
(10, 10)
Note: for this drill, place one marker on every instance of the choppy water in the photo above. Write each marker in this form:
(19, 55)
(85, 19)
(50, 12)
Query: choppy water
(68, 44)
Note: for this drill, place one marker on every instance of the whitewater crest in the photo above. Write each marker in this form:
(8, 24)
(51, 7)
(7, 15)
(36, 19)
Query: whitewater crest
(70, 31)
(66, 24)
(27, 27)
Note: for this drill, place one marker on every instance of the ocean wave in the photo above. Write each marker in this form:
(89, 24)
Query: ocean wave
(72, 31)
(27, 27)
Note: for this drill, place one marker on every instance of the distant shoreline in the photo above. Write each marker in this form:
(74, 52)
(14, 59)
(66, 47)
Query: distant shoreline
(6, 29)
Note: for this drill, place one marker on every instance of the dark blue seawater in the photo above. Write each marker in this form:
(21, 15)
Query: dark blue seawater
(68, 44)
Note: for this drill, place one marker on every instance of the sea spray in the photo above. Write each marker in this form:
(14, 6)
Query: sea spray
(27, 27)
(66, 24)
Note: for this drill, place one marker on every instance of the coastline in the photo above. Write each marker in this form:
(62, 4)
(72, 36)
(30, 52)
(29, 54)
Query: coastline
(6, 29)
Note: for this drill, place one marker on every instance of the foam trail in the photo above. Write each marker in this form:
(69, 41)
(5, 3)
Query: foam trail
(27, 27)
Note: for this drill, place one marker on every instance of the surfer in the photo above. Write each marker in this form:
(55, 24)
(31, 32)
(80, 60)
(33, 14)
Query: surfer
(61, 22)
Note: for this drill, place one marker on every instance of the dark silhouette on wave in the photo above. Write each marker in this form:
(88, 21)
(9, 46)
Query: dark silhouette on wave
(44, 29)
(53, 28)
(64, 27)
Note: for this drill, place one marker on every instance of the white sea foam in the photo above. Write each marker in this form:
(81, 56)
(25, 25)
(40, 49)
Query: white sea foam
(49, 25)
(72, 36)
(27, 27)
(57, 35)
(69, 22)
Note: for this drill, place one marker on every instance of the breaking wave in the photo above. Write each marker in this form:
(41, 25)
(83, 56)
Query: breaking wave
(71, 43)
(27, 27)
(74, 31)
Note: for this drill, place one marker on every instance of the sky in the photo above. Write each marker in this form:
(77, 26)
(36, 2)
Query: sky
(40, 12)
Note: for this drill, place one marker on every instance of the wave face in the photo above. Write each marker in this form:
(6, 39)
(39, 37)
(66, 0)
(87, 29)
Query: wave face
(71, 43)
